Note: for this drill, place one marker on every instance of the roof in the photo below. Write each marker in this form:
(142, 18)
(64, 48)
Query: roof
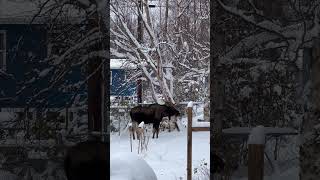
(23, 11)
(17, 9)
(121, 64)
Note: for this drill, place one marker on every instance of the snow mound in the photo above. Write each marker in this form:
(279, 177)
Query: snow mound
(128, 166)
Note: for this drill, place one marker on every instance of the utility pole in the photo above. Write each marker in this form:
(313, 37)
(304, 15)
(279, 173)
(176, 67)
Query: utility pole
(140, 40)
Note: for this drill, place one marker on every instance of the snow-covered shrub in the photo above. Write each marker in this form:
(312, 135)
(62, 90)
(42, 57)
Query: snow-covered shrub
(77, 128)
(202, 171)
(119, 117)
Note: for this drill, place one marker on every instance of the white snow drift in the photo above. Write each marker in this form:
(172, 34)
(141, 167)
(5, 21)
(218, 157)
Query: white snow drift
(129, 166)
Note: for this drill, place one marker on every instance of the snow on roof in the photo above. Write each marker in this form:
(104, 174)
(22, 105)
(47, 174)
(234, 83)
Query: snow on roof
(23, 11)
(130, 166)
(18, 8)
(121, 64)
(275, 131)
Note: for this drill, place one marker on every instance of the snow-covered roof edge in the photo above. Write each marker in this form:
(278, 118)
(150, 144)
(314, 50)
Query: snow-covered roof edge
(22, 12)
(37, 20)
(121, 64)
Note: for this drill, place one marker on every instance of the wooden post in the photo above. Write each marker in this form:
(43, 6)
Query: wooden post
(256, 153)
(130, 130)
(67, 118)
(256, 161)
(189, 143)
(95, 88)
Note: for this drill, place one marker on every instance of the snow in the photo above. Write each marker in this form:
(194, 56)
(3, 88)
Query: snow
(267, 130)
(190, 104)
(290, 174)
(141, 125)
(17, 8)
(33, 154)
(200, 124)
(167, 155)
(129, 166)
(257, 135)
(45, 72)
(121, 64)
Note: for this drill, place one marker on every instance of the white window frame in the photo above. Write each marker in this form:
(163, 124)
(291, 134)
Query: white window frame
(110, 77)
(4, 50)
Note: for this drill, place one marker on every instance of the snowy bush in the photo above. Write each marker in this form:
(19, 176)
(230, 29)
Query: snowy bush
(202, 171)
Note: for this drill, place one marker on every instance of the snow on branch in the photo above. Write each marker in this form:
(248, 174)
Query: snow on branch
(247, 44)
(266, 24)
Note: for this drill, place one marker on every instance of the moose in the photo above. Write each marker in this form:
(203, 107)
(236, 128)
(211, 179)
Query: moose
(87, 160)
(151, 114)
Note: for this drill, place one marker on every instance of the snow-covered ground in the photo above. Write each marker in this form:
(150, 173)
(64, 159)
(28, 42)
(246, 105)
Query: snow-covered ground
(167, 155)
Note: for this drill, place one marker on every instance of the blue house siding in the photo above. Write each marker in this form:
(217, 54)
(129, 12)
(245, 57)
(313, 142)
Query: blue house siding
(119, 85)
(26, 47)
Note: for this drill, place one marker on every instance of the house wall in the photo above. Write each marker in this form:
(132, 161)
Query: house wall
(26, 48)
(119, 86)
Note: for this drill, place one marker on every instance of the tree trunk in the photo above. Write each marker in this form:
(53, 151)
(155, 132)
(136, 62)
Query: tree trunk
(309, 149)
(96, 91)
(165, 32)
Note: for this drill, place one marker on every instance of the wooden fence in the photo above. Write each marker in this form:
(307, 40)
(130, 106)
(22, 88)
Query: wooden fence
(189, 141)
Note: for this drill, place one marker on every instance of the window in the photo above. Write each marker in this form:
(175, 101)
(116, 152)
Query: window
(52, 116)
(3, 49)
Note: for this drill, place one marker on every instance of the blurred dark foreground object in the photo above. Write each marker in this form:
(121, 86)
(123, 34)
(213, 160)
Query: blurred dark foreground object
(218, 164)
(87, 161)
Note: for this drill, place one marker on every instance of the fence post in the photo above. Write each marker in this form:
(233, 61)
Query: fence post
(189, 143)
(256, 144)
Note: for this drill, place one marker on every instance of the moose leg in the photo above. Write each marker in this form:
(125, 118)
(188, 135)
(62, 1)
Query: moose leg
(154, 131)
(138, 134)
(131, 132)
(157, 133)
(134, 130)
(156, 127)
